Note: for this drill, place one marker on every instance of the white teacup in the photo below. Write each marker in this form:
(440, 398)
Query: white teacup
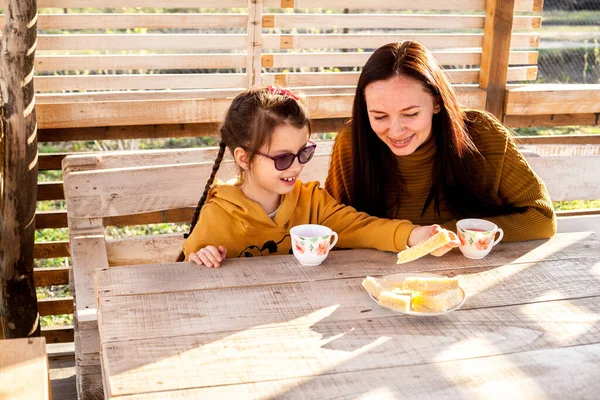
(477, 237)
(311, 243)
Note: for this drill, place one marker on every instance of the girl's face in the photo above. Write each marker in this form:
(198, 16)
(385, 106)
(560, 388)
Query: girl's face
(262, 178)
(401, 111)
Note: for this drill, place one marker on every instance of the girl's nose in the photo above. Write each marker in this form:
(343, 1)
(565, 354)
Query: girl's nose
(397, 128)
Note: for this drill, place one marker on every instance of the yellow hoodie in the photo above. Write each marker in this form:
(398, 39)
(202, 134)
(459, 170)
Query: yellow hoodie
(232, 220)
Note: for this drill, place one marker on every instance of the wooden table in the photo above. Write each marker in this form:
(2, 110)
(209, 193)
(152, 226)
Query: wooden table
(24, 369)
(270, 328)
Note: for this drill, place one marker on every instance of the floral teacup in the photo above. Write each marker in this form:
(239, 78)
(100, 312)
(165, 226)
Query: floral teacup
(311, 243)
(477, 237)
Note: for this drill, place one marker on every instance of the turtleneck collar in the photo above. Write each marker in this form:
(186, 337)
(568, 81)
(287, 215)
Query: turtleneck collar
(425, 153)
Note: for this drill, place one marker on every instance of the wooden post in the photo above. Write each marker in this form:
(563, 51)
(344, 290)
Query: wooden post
(18, 188)
(495, 51)
(254, 48)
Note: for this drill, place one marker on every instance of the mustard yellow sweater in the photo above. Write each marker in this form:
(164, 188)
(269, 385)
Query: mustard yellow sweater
(509, 176)
(230, 219)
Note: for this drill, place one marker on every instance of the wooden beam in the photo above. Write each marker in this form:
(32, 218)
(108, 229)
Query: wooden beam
(58, 335)
(50, 191)
(544, 99)
(562, 139)
(51, 276)
(50, 219)
(495, 53)
(56, 306)
(52, 249)
(584, 119)
(18, 170)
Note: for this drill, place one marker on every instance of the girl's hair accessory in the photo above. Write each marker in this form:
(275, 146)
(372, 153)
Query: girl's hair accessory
(281, 91)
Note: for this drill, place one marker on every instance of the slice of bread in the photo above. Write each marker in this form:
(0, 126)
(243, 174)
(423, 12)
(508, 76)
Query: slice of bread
(436, 301)
(372, 286)
(424, 247)
(429, 284)
(396, 301)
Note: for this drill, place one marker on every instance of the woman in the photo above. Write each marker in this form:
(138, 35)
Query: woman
(410, 152)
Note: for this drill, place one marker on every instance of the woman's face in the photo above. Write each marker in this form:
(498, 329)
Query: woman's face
(401, 112)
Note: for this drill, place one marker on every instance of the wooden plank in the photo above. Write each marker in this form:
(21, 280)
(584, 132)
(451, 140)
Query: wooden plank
(519, 121)
(358, 59)
(51, 249)
(50, 161)
(148, 21)
(574, 213)
(228, 310)
(137, 61)
(559, 140)
(189, 361)
(297, 79)
(579, 223)
(51, 276)
(55, 306)
(24, 369)
(495, 51)
(562, 150)
(568, 178)
(50, 191)
(63, 334)
(113, 113)
(121, 113)
(153, 131)
(553, 99)
(50, 219)
(520, 5)
(388, 21)
(150, 41)
(137, 3)
(89, 255)
(108, 193)
(528, 374)
(139, 81)
(172, 277)
(372, 41)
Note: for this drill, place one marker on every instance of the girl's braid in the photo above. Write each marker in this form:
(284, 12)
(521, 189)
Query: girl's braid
(196, 216)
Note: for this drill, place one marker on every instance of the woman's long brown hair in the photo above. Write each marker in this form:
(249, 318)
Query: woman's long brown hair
(376, 165)
(250, 120)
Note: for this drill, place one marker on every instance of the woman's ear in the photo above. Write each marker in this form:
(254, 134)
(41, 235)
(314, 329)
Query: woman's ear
(241, 158)
(436, 105)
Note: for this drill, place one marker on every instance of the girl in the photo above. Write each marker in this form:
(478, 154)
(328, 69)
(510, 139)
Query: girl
(410, 152)
(267, 130)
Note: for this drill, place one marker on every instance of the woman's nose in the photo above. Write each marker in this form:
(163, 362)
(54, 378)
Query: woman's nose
(397, 127)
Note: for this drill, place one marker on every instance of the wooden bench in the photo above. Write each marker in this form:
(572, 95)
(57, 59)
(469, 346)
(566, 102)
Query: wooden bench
(148, 187)
(24, 372)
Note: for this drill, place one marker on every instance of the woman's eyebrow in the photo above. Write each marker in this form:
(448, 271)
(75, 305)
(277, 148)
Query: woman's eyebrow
(403, 110)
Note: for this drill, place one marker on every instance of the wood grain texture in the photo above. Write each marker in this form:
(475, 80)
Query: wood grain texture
(518, 121)
(240, 308)
(173, 277)
(495, 52)
(138, 61)
(551, 373)
(24, 369)
(553, 99)
(51, 276)
(325, 347)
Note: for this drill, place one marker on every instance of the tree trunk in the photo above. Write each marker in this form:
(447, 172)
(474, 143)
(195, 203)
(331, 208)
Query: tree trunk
(18, 170)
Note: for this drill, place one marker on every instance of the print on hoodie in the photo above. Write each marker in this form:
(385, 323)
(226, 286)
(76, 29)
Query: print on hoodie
(270, 245)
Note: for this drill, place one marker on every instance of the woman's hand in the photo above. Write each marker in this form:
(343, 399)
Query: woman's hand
(421, 233)
(209, 256)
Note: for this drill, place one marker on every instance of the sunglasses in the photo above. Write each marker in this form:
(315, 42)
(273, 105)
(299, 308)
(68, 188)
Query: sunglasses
(284, 161)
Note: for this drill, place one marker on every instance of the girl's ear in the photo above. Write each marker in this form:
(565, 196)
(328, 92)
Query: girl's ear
(241, 158)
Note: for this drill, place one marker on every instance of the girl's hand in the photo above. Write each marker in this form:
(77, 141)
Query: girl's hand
(209, 256)
(421, 233)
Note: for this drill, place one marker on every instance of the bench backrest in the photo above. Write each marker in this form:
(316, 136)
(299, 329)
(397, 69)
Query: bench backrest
(113, 185)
